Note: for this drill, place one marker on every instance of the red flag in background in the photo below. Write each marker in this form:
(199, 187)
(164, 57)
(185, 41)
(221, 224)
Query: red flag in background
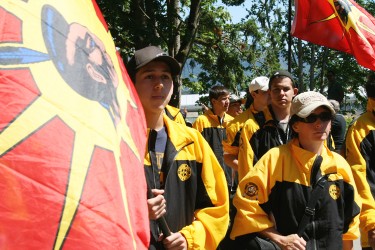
(72, 132)
(338, 24)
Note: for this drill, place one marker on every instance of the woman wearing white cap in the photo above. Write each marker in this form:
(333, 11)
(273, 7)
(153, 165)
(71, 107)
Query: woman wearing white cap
(309, 190)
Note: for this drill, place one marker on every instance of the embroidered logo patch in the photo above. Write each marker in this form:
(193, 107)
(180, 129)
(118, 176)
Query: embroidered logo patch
(251, 190)
(334, 191)
(184, 172)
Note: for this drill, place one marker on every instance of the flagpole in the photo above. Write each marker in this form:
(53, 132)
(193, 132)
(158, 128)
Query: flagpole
(289, 36)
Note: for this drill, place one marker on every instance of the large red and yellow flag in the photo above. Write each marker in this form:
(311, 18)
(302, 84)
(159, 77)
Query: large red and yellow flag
(72, 132)
(338, 24)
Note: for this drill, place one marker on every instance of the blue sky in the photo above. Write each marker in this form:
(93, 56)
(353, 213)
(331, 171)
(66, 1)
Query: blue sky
(237, 12)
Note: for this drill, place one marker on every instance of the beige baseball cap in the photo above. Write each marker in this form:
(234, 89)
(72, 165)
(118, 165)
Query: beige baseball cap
(305, 103)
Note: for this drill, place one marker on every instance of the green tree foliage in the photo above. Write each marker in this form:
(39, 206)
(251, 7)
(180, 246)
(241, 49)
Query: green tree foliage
(213, 50)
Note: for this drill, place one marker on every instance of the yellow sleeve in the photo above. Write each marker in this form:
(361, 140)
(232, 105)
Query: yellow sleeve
(246, 153)
(211, 223)
(358, 166)
(253, 190)
(199, 124)
(345, 171)
(231, 131)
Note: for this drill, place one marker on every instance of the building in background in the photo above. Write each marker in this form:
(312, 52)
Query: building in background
(190, 101)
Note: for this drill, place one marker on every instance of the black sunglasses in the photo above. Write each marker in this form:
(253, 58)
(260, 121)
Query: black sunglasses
(324, 117)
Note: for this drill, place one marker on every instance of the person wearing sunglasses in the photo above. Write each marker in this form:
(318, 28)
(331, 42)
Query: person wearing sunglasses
(274, 200)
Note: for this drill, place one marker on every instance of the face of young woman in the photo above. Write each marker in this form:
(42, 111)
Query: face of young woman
(154, 85)
(316, 126)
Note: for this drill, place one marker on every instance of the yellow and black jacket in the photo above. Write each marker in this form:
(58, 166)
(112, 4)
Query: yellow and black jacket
(174, 114)
(246, 153)
(213, 130)
(280, 184)
(269, 136)
(360, 154)
(235, 126)
(195, 188)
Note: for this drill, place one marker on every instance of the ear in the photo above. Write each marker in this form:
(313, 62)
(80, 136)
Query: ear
(95, 74)
(253, 94)
(295, 91)
(295, 127)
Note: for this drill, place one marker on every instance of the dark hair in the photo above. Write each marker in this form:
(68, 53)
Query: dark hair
(217, 91)
(293, 119)
(282, 77)
(130, 68)
(281, 74)
(249, 99)
(370, 86)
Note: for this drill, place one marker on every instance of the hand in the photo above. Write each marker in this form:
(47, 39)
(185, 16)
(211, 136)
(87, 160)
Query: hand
(292, 242)
(176, 241)
(157, 205)
(371, 238)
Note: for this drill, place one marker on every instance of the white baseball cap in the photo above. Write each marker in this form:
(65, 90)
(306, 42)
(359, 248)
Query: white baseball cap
(260, 82)
(234, 98)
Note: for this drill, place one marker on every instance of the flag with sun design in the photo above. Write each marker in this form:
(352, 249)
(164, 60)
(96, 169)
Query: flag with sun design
(338, 24)
(72, 132)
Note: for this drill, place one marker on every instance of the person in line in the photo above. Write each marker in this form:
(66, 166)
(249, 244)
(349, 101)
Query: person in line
(258, 89)
(234, 110)
(186, 182)
(275, 131)
(335, 89)
(274, 200)
(360, 154)
(235, 105)
(258, 92)
(212, 124)
(338, 130)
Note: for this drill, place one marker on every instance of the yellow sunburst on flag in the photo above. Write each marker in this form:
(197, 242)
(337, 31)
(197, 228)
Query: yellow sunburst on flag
(79, 80)
(350, 18)
(338, 24)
